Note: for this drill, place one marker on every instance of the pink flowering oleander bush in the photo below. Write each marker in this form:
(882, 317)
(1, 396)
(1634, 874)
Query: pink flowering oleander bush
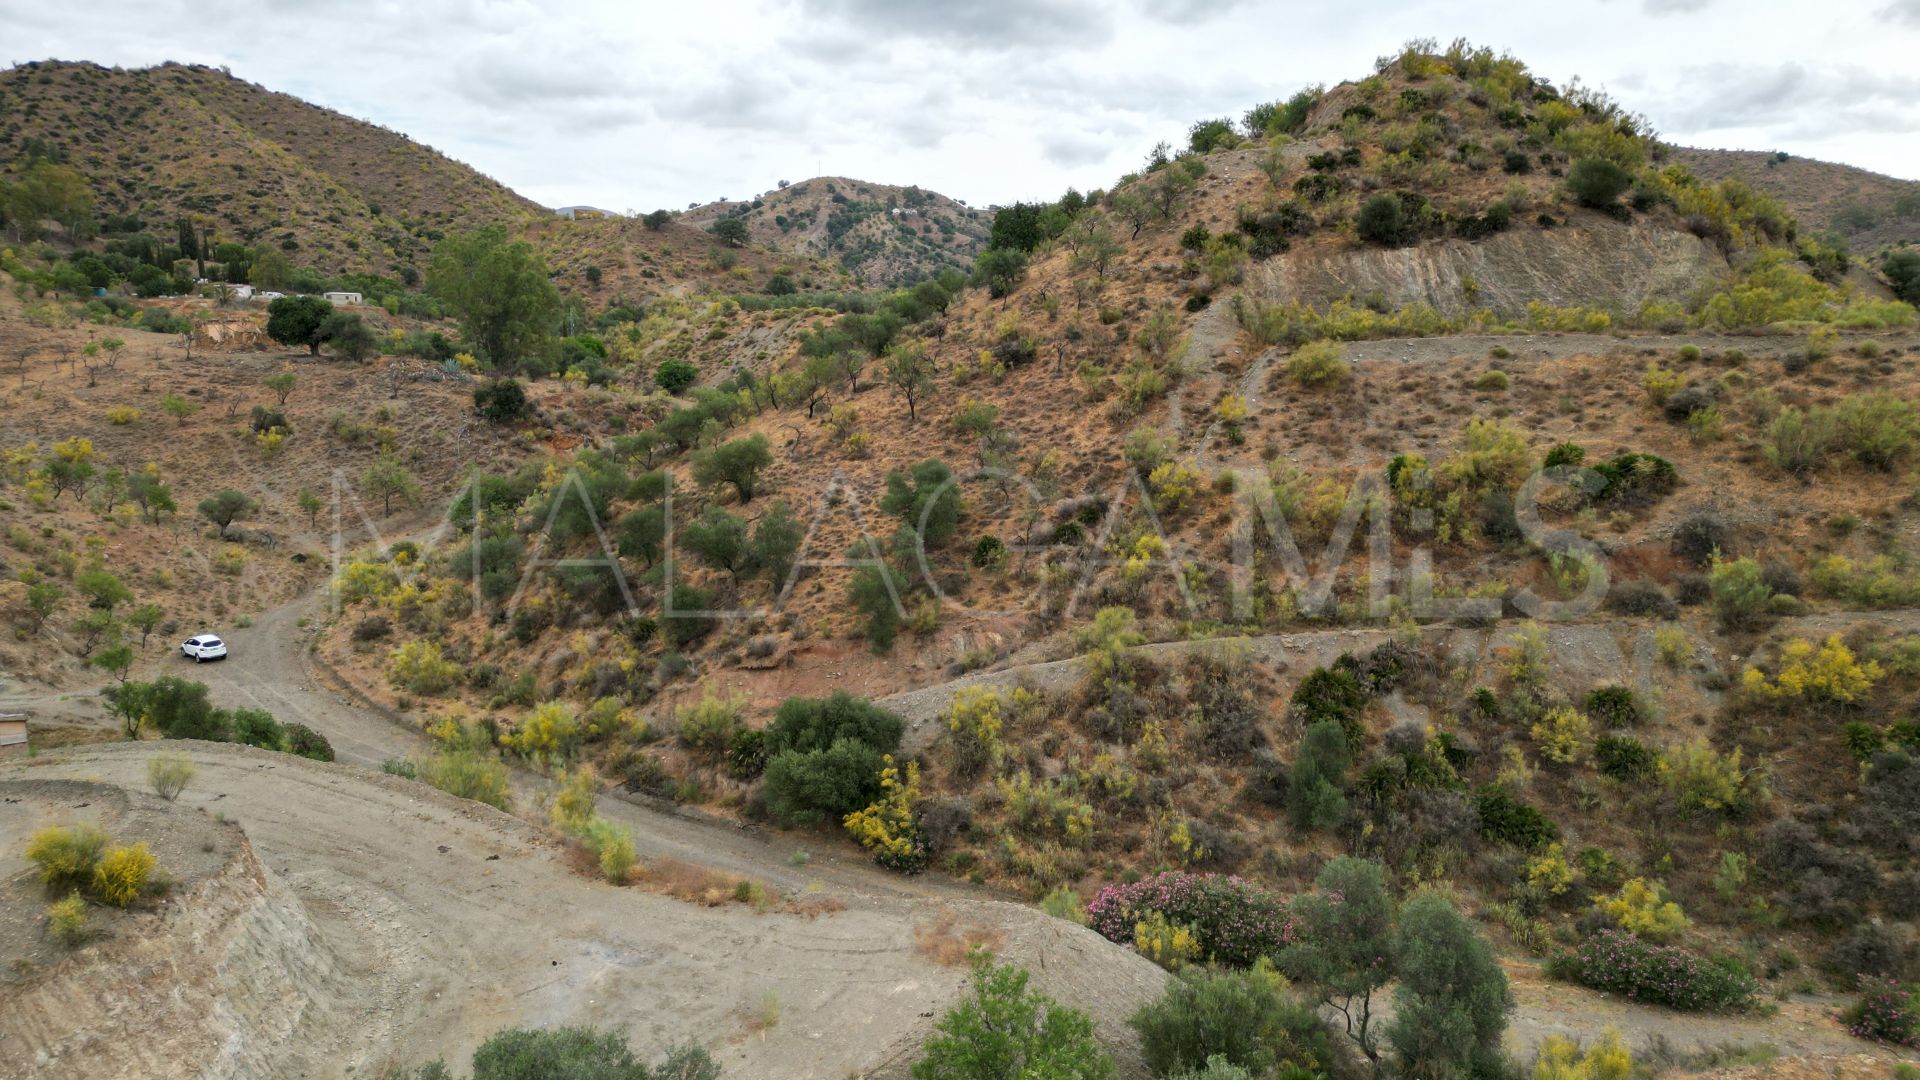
(1886, 1012)
(1617, 962)
(1234, 921)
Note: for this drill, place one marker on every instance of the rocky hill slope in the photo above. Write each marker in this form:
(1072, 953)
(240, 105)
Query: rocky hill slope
(881, 234)
(1868, 209)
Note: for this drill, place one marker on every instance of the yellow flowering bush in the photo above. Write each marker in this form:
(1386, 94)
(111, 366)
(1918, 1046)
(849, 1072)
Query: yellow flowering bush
(974, 725)
(1174, 484)
(67, 920)
(1560, 1058)
(122, 874)
(418, 668)
(1549, 873)
(1661, 383)
(364, 580)
(1152, 749)
(573, 804)
(887, 827)
(1830, 676)
(1041, 807)
(549, 731)
(1161, 941)
(1643, 910)
(1141, 557)
(76, 450)
(1563, 735)
(1702, 780)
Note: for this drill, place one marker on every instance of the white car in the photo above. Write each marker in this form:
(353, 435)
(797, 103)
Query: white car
(203, 648)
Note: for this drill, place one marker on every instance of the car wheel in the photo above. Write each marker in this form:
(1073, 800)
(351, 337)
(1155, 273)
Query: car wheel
(199, 659)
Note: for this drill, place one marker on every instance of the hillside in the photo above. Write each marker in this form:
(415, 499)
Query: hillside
(1869, 210)
(881, 234)
(254, 166)
(621, 259)
(1418, 471)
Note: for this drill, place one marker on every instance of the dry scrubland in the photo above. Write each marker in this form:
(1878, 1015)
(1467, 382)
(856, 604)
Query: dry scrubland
(1401, 297)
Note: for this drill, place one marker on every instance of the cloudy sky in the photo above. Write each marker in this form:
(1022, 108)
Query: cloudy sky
(642, 104)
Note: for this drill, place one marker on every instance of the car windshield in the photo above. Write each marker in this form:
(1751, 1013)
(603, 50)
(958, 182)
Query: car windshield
(210, 642)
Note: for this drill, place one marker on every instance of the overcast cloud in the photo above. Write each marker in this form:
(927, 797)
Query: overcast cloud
(640, 105)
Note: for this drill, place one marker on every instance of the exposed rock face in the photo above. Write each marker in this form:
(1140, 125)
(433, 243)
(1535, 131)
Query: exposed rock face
(1595, 260)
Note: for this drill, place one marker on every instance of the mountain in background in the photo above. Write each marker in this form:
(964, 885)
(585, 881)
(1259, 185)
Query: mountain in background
(1869, 210)
(259, 167)
(267, 169)
(881, 234)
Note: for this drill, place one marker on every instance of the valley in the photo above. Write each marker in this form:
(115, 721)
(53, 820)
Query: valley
(1417, 580)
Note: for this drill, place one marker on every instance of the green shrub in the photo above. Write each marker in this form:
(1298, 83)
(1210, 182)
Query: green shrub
(581, 1053)
(1315, 794)
(674, 375)
(1571, 454)
(1878, 429)
(1006, 1029)
(746, 753)
(824, 756)
(1505, 819)
(1799, 442)
(612, 847)
(709, 725)
(1383, 220)
(502, 401)
(1450, 1009)
(1319, 364)
(1739, 593)
(1331, 694)
(308, 743)
(1064, 903)
(1903, 272)
(989, 553)
(1243, 1017)
(1624, 758)
(418, 668)
(1634, 479)
(174, 707)
(169, 774)
(1614, 706)
(1598, 182)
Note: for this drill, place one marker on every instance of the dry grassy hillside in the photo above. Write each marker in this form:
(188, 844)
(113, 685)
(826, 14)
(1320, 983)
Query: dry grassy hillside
(1870, 210)
(260, 167)
(1428, 475)
(339, 417)
(614, 260)
(881, 234)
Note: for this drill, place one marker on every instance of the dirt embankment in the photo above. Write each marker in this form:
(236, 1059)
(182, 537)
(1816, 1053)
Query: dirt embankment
(209, 981)
(1594, 261)
(385, 923)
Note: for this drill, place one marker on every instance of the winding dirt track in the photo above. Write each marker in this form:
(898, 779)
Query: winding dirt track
(441, 921)
(449, 920)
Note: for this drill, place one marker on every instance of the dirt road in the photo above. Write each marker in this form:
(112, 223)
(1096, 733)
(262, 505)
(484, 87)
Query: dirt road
(439, 921)
(446, 920)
